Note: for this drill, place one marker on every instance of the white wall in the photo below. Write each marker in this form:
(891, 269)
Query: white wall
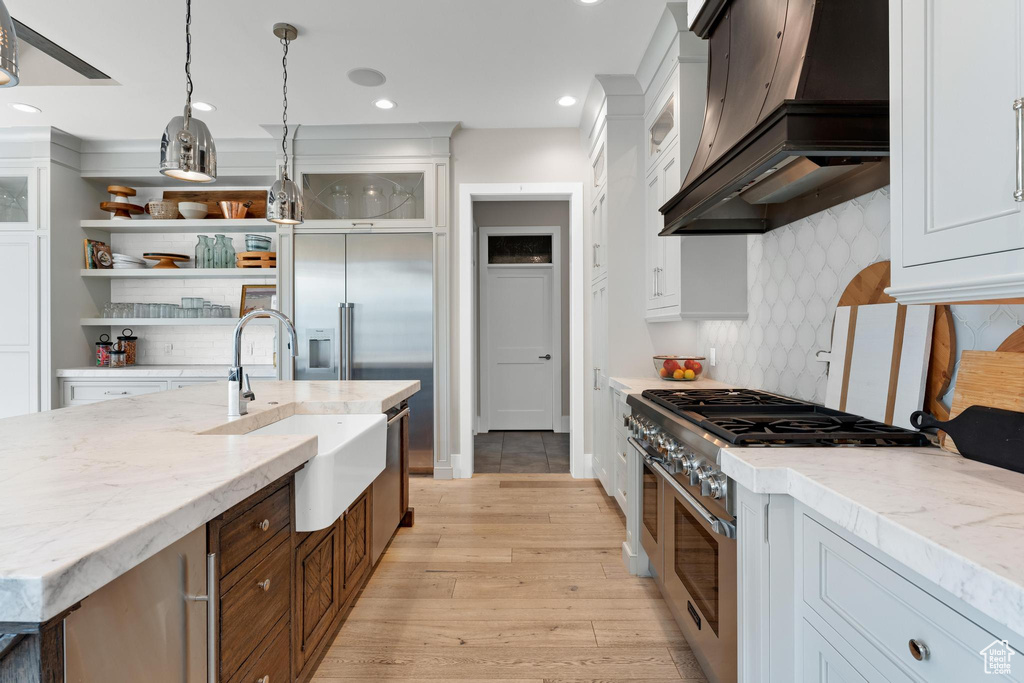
(526, 155)
(532, 214)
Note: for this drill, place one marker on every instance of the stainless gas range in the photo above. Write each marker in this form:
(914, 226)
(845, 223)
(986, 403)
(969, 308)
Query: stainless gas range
(688, 523)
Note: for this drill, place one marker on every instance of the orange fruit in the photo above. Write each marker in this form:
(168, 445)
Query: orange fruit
(663, 372)
(678, 374)
(689, 374)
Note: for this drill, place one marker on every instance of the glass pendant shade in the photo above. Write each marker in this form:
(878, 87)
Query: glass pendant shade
(284, 202)
(188, 155)
(8, 50)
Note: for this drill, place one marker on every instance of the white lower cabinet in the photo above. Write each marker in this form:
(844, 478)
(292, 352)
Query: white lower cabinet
(80, 392)
(817, 606)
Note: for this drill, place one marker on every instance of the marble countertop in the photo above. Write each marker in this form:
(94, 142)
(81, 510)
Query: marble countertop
(89, 492)
(633, 385)
(956, 522)
(164, 372)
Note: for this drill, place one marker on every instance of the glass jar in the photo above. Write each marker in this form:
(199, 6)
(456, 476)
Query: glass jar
(342, 201)
(202, 245)
(103, 348)
(117, 358)
(375, 204)
(402, 204)
(128, 343)
(229, 252)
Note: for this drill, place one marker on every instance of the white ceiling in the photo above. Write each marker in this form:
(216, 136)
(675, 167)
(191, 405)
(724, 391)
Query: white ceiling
(486, 63)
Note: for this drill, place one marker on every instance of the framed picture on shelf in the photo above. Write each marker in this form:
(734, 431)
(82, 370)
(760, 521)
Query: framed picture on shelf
(257, 296)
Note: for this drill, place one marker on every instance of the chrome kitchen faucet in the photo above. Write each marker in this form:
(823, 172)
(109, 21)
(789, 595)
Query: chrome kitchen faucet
(240, 392)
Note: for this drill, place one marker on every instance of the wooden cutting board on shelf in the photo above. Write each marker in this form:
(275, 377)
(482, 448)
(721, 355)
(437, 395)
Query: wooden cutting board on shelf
(1014, 343)
(868, 287)
(212, 199)
(988, 378)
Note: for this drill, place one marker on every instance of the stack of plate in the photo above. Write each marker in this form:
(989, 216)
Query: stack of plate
(123, 261)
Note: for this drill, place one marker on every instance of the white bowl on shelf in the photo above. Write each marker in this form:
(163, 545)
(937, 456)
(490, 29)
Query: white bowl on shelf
(192, 210)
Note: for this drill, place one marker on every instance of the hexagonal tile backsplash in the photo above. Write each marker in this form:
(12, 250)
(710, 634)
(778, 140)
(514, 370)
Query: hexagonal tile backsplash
(795, 276)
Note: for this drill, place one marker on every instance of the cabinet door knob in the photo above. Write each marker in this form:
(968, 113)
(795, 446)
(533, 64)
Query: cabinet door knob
(265, 585)
(918, 650)
(264, 525)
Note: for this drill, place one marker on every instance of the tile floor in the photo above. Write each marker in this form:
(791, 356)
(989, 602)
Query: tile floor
(521, 452)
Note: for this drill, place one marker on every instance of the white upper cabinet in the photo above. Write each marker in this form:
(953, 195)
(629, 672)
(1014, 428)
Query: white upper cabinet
(693, 277)
(398, 195)
(957, 219)
(599, 238)
(17, 199)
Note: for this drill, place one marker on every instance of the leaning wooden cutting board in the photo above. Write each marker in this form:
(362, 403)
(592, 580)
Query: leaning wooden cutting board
(988, 378)
(879, 361)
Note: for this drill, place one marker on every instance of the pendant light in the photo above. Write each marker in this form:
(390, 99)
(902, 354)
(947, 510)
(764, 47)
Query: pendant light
(8, 50)
(187, 150)
(284, 201)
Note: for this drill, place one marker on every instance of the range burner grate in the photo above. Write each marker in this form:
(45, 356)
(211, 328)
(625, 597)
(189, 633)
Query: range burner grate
(819, 427)
(689, 399)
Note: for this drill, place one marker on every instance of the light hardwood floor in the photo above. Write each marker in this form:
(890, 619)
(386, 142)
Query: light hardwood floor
(509, 577)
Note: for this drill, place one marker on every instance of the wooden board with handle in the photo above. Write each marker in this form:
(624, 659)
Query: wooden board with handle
(868, 287)
(988, 378)
(212, 199)
(1014, 343)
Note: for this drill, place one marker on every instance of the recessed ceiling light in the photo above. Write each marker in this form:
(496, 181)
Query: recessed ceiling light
(368, 78)
(589, 2)
(27, 108)
(566, 101)
(384, 103)
(203, 106)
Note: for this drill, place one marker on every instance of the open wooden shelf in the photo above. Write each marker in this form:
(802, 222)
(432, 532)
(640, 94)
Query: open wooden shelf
(168, 322)
(182, 273)
(183, 225)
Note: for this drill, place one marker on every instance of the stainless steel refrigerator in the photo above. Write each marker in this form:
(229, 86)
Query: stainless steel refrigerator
(364, 309)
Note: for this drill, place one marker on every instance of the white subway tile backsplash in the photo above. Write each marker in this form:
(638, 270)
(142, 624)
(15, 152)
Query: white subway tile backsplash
(188, 345)
(796, 275)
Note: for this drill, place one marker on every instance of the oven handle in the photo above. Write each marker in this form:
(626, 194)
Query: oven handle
(718, 525)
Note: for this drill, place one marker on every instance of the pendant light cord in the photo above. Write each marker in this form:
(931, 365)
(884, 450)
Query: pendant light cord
(284, 111)
(188, 63)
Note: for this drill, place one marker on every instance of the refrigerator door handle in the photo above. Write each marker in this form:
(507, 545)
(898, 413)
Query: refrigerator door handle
(346, 335)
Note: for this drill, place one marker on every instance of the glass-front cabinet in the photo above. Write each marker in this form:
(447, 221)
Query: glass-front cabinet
(402, 197)
(17, 199)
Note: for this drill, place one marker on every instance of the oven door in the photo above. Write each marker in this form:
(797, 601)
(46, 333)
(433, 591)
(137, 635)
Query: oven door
(652, 505)
(700, 577)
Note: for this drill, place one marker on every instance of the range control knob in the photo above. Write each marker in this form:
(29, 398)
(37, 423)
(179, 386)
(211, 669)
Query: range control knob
(699, 473)
(688, 463)
(714, 486)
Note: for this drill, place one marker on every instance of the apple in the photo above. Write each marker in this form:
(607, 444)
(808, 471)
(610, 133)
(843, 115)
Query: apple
(695, 366)
(671, 365)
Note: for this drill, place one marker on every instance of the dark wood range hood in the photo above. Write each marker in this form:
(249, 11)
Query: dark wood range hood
(797, 116)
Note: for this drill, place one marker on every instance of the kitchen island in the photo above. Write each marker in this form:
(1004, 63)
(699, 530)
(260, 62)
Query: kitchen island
(91, 492)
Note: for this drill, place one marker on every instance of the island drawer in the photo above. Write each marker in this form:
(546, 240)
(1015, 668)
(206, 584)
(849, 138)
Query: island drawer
(247, 533)
(271, 663)
(251, 607)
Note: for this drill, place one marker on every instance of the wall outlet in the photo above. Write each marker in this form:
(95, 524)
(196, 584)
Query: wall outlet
(168, 348)
(712, 357)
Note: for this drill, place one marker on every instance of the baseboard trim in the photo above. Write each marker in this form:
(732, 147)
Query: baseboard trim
(564, 427)
(443, 473)
(584, 467)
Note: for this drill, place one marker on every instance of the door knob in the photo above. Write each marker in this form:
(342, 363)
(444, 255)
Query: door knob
(547, 357)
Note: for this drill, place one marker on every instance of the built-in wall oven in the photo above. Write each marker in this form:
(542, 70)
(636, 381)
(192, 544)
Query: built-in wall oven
(700, 575)
(690, 540)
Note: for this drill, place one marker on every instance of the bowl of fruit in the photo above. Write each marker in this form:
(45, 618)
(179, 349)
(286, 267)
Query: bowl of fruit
(679, 368)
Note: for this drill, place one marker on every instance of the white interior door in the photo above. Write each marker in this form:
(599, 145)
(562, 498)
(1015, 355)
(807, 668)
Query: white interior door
(519, 344)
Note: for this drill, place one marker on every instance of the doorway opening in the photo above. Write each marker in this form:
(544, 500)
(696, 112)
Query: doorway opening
(520, 305)
(522, 336)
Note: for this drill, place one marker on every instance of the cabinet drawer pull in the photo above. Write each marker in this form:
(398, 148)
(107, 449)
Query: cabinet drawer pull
(264, 525)
(263, 679)
(1018, 110)
(265, 585)
(918, 650)
(115, 393)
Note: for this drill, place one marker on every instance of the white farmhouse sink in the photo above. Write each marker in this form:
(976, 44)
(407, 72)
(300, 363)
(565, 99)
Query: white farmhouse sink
(351, 451)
